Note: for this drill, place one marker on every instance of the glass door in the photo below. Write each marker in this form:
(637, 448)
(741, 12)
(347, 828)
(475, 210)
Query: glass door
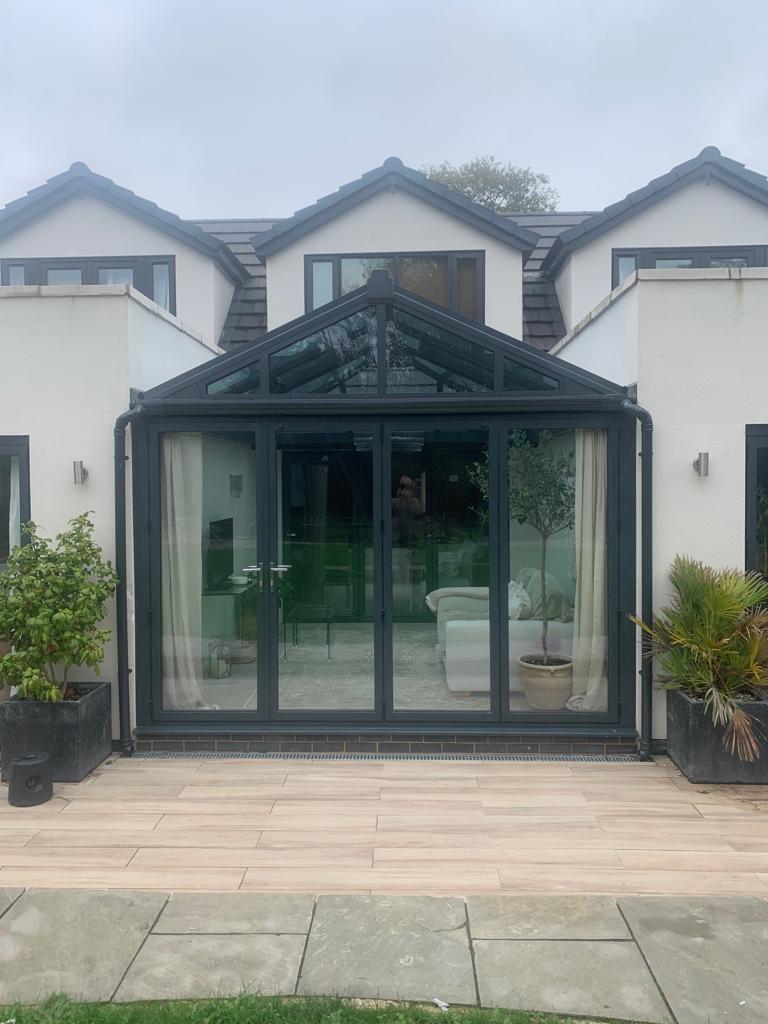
(323, 572)
(213, 650)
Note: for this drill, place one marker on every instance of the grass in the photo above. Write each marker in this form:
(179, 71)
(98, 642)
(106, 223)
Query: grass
(259, 1010)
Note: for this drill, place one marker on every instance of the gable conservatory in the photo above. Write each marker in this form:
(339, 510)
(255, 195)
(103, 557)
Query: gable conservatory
(385, 513)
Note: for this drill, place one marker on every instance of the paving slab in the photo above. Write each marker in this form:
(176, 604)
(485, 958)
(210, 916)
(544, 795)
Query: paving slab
(584, 978)
(74, 941)
(396, 947)
(8, 897)
(199, 966)
(235, 913)
(545, 917)
(708, 954)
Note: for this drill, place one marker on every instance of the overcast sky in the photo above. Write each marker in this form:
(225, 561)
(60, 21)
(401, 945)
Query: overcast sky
(257, 107)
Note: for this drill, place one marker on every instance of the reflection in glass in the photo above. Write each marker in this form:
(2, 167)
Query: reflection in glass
(245, 381)
(761, 511)
(115, 275)
(728, 262)
(17, 275)
(161, 284)
(356, 270)
(210, 592)
(439, 559)
(557, 498)
(339, 359)
(64, 275)
(466, 286)
(518, 377)
(322, 283)
(673, 262)
(325, 590)
(10, 506)
(627, 266)
(423, 358)
(426, 276)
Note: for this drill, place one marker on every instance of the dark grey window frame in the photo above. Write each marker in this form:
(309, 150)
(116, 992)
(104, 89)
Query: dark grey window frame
(142, 267)
(453, 255)
(645, 258)
(18, 445)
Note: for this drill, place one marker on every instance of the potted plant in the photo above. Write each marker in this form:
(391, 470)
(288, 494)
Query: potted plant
(711, 646)
(542, 494)
(52, 604)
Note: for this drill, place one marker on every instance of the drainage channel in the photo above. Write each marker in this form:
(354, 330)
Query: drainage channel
(233, 755)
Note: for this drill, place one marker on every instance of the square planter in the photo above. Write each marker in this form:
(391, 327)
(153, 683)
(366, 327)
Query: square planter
(76, 734)
(695, 743)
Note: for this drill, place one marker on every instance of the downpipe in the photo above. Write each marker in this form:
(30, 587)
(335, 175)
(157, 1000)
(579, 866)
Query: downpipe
(121, 591)
(646, 568)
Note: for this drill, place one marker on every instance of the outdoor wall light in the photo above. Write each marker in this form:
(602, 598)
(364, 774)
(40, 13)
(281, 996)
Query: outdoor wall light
(79, 471)
(701, 464)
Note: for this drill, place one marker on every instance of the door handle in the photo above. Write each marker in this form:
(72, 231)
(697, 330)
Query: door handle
(255, 570)
(275, 572)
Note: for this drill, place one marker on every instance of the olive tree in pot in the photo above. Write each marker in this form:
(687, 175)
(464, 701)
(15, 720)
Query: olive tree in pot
(52, 603)
(711, 647)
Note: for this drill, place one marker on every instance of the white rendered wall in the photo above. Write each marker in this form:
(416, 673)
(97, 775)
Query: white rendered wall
(398, 222)
(702, 338)
(69, 357)
(90, 227)
(698, 215)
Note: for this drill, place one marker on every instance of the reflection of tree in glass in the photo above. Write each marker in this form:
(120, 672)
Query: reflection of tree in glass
(761, 529)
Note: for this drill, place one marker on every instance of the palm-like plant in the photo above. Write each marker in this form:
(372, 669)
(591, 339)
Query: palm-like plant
(711, 641)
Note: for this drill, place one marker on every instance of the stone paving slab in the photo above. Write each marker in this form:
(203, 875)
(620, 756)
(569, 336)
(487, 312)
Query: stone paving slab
(545, 917)
(585, 978)
(708, 954)
(198, 966)
(72, 940)
(397, 947)
(235, 913)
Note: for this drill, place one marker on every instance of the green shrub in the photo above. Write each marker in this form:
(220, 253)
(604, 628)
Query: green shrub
(711, 641)
(52, 602)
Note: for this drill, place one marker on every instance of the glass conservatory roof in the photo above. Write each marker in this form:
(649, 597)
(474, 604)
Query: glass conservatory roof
(381, 341)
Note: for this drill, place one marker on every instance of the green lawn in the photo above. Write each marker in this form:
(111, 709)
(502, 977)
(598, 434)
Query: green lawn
(255, 1010)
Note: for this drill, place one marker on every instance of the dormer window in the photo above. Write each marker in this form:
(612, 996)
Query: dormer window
(626, 261)
(153, 276)
(450, 279)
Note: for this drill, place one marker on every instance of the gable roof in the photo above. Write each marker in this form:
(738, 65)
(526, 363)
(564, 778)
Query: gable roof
(80, 180)
(710, 164)
(393, 174)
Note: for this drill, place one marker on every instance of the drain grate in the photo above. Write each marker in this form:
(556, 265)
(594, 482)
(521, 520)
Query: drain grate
(233, 755)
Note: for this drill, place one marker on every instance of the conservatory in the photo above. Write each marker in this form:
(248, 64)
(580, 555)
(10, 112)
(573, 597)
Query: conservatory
(385, 513)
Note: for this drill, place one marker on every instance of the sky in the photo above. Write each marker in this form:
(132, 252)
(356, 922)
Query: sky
(255, 108)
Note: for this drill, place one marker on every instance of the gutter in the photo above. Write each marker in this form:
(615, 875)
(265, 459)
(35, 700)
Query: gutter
(121, 592)
(646, 567)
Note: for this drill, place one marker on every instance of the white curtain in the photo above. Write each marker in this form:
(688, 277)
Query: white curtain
(182, 570)
(14, 507)
(590, 680)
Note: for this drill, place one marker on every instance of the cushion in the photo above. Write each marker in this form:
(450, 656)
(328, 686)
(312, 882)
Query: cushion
(558, 605)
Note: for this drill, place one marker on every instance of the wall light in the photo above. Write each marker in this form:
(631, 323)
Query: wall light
(79, 472)
(701, 464)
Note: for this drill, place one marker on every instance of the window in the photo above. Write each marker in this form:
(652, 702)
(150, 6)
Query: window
(757, 499)
(14, 493)
(626, 261)
(153, 276)
(450, 279)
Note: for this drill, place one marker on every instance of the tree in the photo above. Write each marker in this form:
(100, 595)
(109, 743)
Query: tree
(502, 188)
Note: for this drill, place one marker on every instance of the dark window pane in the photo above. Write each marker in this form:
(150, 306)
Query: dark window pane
(727, 261)
(356, 270)
(64, 275)
(425, 359)
(244, 381)
(17, 275)
(426, 276)
(339, 359)
(115, 275)
(673, 262)
(161, 284)
(466, 286)
(760, 498)
(627, 266)
(518, 377)
(322, 283)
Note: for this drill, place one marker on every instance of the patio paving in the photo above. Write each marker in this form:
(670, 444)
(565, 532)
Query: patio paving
(370, 827)
(666, 960)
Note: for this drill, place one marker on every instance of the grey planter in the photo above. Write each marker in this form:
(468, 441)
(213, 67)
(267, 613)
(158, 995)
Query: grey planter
(76, 734)
(695, 744)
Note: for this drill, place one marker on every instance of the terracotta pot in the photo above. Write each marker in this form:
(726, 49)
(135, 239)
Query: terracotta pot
(546, 687)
